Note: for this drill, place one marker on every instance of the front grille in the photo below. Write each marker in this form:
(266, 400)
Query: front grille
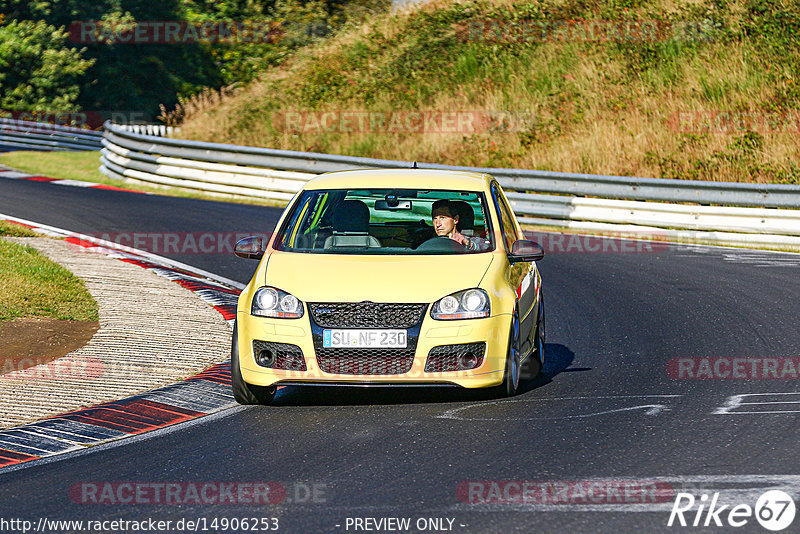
(448, 357)
(279, 356)
(366, 361)
(366, 314)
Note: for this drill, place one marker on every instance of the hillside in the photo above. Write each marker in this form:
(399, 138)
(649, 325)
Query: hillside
(703, 89)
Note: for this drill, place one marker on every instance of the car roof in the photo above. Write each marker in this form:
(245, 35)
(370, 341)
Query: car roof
(401, 179)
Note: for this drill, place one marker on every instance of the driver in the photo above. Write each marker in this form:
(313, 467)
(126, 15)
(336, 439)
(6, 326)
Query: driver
(445, 219)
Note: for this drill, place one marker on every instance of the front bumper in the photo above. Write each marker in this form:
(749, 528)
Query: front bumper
(492, 330)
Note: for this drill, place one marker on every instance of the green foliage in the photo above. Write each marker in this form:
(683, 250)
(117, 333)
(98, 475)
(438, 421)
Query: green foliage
(748, 143)
(774, 25)
(141, 77)
(37, 72)
(123, 77)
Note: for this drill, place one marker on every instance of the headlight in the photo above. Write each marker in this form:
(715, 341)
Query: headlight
(271, 302)
(467, 304)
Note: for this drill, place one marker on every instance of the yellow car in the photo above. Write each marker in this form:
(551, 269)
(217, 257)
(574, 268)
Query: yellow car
(390, 277)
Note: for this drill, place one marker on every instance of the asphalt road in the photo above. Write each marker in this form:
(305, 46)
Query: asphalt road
(605, 410)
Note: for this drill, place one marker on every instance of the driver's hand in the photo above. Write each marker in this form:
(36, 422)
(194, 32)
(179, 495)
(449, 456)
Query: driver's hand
(459, 237)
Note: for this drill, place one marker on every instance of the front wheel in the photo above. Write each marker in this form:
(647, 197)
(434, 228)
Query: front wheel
(540, 330)
(512, 370)
(243, 392)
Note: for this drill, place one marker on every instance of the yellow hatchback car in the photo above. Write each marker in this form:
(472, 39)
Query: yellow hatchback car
(396, 277)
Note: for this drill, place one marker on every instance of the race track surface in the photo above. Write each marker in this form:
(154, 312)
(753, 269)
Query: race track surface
(606, 409)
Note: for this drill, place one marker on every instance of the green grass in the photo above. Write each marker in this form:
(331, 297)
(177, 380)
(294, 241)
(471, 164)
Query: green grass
(63, 165)
(15, 230)
(34, 286)
(85, 166)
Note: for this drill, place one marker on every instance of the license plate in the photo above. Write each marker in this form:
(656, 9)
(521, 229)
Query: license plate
(365, 339)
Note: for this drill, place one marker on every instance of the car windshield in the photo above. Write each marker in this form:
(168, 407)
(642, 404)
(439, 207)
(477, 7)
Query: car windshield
(387, 221)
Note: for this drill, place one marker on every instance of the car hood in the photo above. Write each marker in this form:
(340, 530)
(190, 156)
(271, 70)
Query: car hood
(343, 278)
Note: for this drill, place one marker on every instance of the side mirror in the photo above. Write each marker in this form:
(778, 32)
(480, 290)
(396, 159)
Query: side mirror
(524, 250)
(249, 248)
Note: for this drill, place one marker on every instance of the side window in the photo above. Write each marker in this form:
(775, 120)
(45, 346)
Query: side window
(290, 233)
(506, 222)
(302, 229)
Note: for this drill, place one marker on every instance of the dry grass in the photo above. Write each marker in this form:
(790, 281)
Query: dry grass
(603, 108)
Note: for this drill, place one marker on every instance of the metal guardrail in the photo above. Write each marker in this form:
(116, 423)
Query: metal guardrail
(158, 130)
(625, 207)
(620, 187)
(26, 135)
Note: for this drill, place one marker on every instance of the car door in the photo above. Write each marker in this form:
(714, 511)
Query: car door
(521, 275)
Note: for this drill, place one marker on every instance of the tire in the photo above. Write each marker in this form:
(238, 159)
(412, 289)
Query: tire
(540, 330)
(243, 392)
(533, 364)
(512, 370)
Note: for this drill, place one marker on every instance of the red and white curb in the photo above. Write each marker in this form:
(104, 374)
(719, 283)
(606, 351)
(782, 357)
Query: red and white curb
(198, 396)
(16, 175)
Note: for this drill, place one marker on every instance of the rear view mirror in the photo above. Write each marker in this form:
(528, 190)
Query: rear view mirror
(393, 205)
(250, 248)
(524, 250)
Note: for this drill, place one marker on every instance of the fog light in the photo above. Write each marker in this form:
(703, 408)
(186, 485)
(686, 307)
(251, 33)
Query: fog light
(468, 361)
(266, 358)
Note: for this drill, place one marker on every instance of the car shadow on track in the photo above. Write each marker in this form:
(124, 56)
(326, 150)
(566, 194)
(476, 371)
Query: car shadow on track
(558, 358)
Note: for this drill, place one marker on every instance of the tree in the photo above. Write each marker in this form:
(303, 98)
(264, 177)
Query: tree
(138, 77)
(38, 72)
(123, 76)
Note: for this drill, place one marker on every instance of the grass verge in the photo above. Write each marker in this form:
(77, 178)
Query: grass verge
(61, 165)
(31, 285)
(15, 230)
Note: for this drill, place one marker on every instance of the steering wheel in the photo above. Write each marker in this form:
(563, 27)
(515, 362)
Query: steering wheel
(442, 244)
(421, 234)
